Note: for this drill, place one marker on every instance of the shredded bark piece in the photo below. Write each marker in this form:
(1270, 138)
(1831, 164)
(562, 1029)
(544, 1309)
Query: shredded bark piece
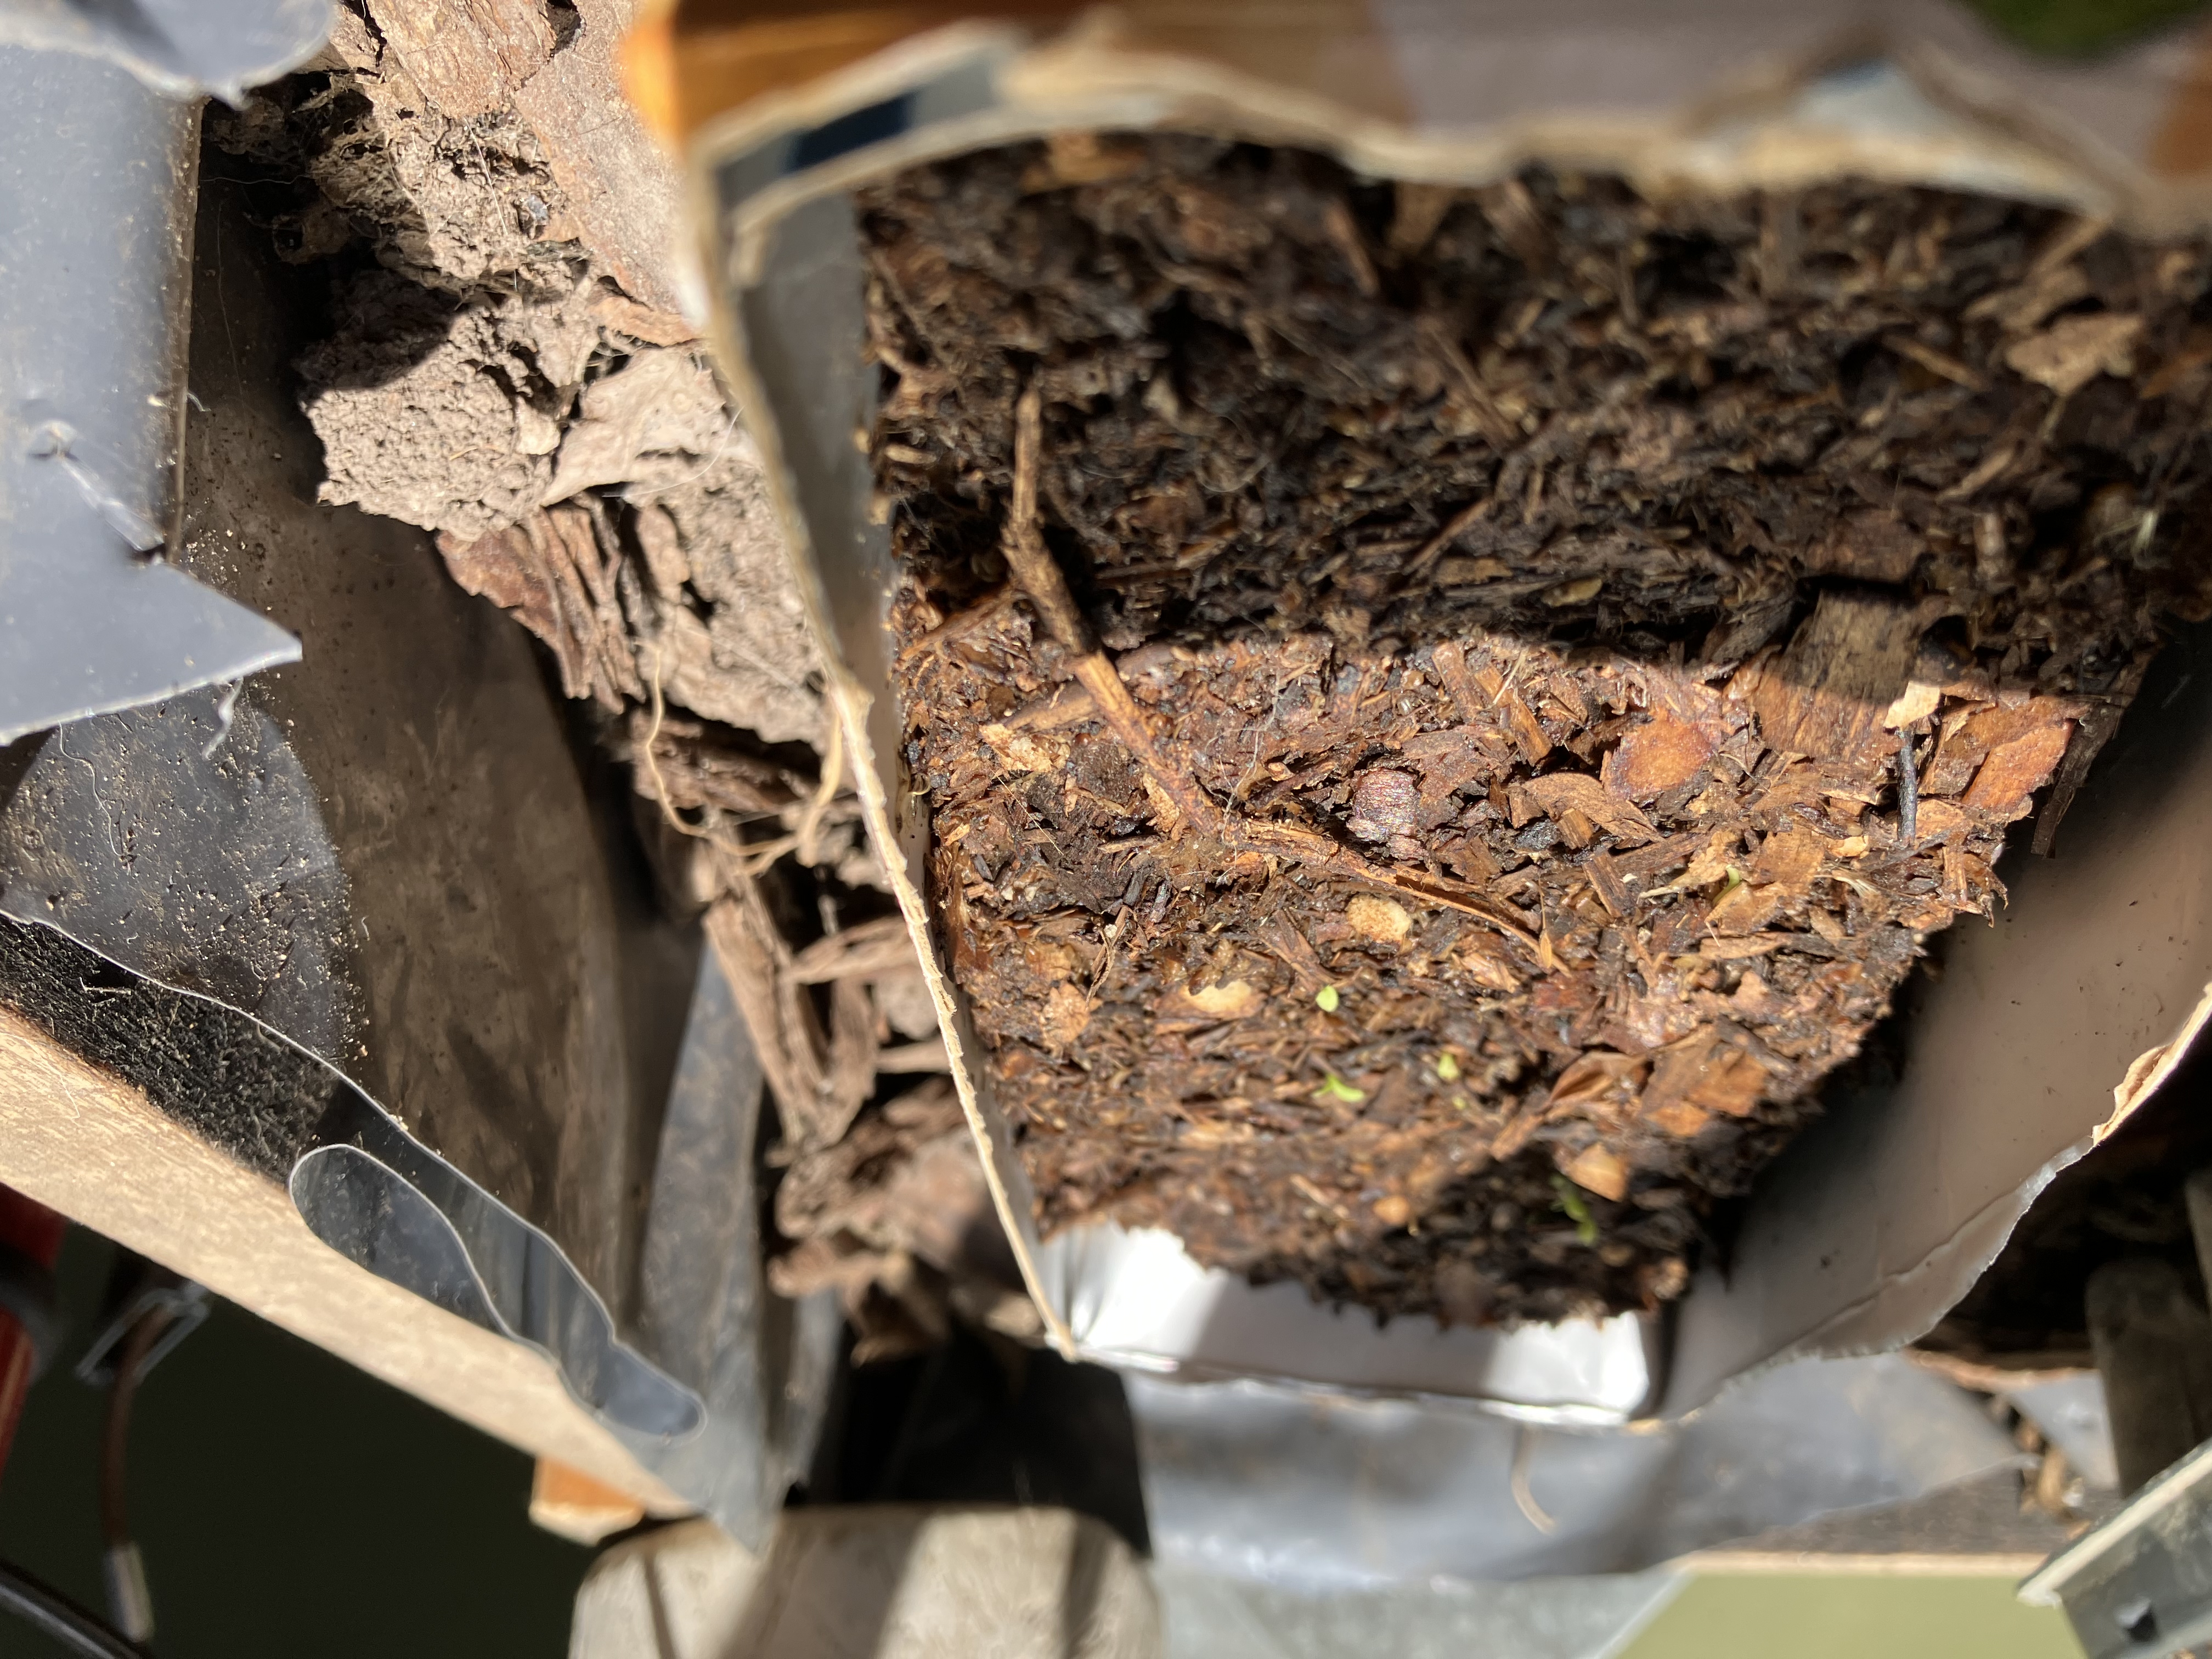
(506, 369)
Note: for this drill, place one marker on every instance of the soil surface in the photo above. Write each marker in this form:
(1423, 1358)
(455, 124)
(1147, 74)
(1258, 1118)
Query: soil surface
(1447, 713)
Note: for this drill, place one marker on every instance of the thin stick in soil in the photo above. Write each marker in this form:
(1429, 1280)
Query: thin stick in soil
(1040, 580)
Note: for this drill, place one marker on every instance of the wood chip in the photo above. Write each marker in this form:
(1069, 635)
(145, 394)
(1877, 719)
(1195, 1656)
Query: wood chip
(1605, 883)
(1826, 695)
(1528, 731)
(2074, 350)
(1663, 752)
(1562, 792)
(1596, 1169)
(2015, 770)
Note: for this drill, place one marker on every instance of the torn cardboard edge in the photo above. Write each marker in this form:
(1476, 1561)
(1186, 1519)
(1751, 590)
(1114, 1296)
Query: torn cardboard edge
(1839, 1255)
(2149, 1072)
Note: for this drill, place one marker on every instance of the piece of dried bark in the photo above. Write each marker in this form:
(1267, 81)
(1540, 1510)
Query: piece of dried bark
(551, 571)
(1826, 695)
(2074, 350)
(505, 358)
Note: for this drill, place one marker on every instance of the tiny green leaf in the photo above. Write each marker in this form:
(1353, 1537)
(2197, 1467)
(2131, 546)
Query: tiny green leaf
(1570, 1203)
(1735, 878)
(1328, 1000)
(1447, 1069)
(1336, 1088)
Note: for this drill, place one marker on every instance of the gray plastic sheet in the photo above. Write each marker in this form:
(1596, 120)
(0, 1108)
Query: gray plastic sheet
(2071, 1412)
(181, 48)
(1212, 1617)
(97, 174)
(1313, 1493)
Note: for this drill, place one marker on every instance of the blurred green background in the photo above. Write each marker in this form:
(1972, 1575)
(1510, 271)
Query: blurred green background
(2079, 28)
(1853, 1618)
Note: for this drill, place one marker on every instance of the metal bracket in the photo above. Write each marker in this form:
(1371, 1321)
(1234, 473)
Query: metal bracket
(2139, 1584)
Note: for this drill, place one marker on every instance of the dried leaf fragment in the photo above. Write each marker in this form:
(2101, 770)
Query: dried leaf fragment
(1555, 795)
(1678, 1118)
(1788, 859)
(1482, 961)
(1580, 591)
(1732, 1084)
(1916, 703)
(1024, 752)
(2013, 771)
(2074, 350)
(1745, 909)
(1597, 1076)
(1938, 821)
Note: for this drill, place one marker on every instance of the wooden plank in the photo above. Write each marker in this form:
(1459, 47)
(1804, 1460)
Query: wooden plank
(1973, 1528)
(2154, 1348)
(573, 1505)
(80, 1140)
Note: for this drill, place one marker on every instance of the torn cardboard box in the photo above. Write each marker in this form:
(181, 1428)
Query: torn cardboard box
(1390, 809)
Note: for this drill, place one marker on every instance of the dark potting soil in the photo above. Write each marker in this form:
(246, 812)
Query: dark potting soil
(1464, 814)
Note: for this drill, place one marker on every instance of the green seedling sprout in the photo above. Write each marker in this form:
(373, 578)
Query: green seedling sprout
(1571, 1204)
(1326, 1000)
(1336, 1088)
(1447, 1068)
